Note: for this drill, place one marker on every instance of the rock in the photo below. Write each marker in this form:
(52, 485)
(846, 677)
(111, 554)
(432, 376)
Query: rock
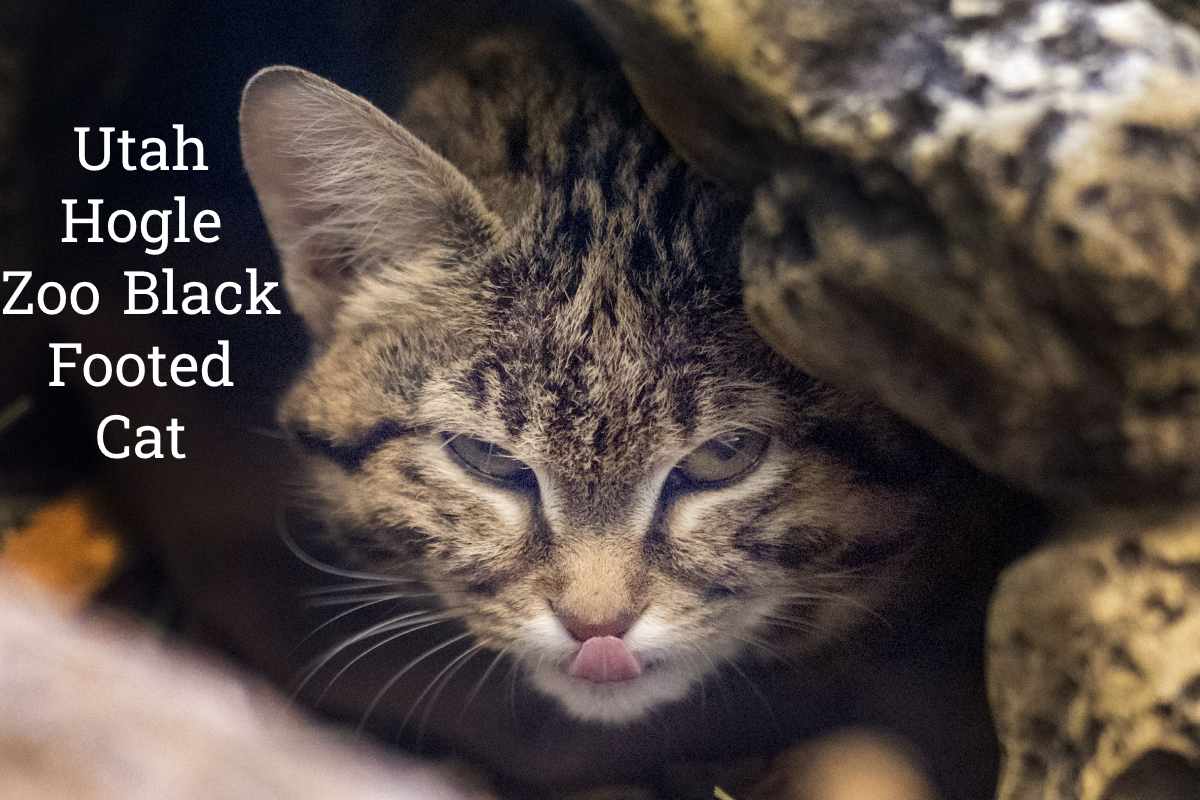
(848, 765)
(1185, 10)
(1095, 663)
(984, 213)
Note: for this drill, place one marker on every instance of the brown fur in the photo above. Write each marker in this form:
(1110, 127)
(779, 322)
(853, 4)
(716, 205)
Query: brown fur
(567, 290)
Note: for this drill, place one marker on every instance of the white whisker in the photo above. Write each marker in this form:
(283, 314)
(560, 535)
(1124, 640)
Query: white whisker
(318, 663)
(757, 692)
(329, 569)
(355, 585)
(334, 619)
(375, 701)
(479, 684)
(409, 630)
(450, 670)
(341, 601)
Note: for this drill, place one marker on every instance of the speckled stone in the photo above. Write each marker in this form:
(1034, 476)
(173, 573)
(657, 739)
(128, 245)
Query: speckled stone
(985, 213)
(1094, 667)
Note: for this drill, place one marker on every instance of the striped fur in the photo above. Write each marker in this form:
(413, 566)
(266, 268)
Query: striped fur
(575, 300)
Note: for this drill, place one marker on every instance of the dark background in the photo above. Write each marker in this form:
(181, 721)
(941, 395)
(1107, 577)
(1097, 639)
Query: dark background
(143, 67)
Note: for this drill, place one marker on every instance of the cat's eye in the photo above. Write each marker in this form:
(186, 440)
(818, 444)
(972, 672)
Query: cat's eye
(488, 460)
(723, 458)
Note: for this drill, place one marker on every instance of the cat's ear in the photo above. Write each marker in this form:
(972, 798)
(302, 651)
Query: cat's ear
(347, 192)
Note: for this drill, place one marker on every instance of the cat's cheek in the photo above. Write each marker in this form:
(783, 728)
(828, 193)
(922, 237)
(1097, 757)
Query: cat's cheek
(652, 634)
(330, 483)
(543, 637)
(806, 631)
(664, 638)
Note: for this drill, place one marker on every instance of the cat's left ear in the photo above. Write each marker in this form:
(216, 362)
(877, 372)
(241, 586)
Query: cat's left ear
(348, 193)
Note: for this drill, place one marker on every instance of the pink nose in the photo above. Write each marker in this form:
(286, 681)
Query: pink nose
(581, 630)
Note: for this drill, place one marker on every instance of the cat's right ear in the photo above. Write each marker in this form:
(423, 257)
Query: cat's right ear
(348, 193)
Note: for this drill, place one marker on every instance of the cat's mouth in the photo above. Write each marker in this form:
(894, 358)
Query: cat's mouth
(604, 659)
(604, 680)
(609, 679)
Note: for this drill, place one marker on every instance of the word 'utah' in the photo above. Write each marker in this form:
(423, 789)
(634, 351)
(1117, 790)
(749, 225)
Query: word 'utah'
(152, 158)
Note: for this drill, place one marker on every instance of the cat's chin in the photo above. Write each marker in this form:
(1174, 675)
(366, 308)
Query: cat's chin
(618, 702)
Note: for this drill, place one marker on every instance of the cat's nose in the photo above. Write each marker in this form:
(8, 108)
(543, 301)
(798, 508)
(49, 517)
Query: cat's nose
(582, 629)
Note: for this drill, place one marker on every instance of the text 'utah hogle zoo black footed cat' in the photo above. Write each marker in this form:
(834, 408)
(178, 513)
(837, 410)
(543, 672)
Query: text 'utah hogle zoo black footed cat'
(577, 519)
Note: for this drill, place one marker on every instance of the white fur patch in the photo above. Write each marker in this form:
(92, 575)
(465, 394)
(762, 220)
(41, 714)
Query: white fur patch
(671, 669)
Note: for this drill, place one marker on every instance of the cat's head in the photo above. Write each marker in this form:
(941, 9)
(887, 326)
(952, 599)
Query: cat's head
(565, 426)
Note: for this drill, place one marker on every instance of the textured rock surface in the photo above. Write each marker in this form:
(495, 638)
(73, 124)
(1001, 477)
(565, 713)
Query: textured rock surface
(1186, 10)
(986, 213)
(1095, 665)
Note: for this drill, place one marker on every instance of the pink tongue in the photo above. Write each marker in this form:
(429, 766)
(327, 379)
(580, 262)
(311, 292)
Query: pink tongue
(603, 659)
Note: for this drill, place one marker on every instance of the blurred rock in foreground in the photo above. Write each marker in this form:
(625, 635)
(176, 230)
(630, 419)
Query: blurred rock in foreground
(101, 711)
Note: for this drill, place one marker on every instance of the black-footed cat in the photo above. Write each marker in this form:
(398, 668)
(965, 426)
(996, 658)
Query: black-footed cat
(583, 521)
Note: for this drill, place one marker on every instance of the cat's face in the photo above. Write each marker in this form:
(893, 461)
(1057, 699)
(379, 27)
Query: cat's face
(567, 430)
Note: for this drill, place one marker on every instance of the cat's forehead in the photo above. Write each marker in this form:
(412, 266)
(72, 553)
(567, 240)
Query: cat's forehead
(596, 413)
(588, 366)
(611, 319)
